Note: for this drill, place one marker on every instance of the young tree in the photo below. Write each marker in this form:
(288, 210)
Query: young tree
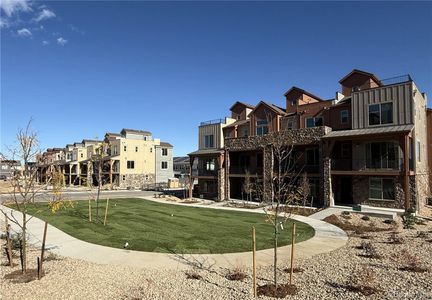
(248, 186)
(97, 161)
(24, 184)
(304, 189)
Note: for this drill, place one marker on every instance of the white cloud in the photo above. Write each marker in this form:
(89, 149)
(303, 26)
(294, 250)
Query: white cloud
(10, 7)
(61, 41)
(45, 14)
(4, 23)
(24, 32)
(45, 43)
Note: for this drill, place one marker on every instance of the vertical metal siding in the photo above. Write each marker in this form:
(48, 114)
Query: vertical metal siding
(399, 94)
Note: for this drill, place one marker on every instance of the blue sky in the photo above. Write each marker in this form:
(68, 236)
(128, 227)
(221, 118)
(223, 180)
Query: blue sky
(84, 68)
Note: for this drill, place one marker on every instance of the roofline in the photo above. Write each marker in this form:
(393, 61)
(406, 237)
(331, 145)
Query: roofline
(304, 92)
(268, 105)
(361, 72)
(242, 103)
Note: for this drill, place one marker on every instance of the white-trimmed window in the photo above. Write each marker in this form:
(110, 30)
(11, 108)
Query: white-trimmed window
(130, 164)
(381, 188)
(261, 127)
(344, 116)
(314, 122)
(381, 113)
(210, 164)
(164, 152)
(164, 165)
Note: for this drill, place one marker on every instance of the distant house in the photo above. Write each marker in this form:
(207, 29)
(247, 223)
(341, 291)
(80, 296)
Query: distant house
(181, 166)
(8, 168)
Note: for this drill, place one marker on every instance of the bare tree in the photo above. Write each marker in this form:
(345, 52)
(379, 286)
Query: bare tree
(248, 186)
(304, 189)
(97, 161)
(281, 190)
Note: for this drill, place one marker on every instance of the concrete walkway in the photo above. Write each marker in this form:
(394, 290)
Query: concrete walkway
(327, 238)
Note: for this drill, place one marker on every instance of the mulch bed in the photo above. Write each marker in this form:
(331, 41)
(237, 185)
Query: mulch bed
(18, 277)
(357, 229)
(281, 291)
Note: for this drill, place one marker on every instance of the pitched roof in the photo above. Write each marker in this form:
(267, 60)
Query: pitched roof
(275, 108)
(294, 88)
(356, 71)
(125, 130)
(242, 103)
(165, 144)
(237, 123)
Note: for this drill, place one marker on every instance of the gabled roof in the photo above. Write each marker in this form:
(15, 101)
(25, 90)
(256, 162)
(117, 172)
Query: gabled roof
(165, 144)
(125, 130)
(275, 108)
(243, 104)
(237, 123)
(356, 71)
(302, 91)
(90, 141)
(112, 134)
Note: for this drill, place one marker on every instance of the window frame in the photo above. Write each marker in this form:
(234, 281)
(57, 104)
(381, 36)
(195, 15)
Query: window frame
(342, 117)
(209, 141)
(380, 104)
(382, 189)
(315, 121)
(261, 127)
(130, 164)
(162, 165)
(164, 151)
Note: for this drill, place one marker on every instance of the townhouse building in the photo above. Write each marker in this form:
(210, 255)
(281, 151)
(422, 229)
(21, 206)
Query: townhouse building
(370, 145)
(210, 171)
(129, 159)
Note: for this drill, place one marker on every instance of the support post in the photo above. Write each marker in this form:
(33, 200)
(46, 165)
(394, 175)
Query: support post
(42, 251)
(89, 210)
(106, 211)
(8, 242)
(191, 180)
(406, 172)
(111, 174)
(292, 252)
(254, 262)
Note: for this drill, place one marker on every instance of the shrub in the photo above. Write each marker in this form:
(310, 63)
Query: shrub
(396, 239)
(364, 282)
(370, 250)
(409, 262)
(193, 274)
(345, 213)
(408, 220)
(237, 274)
(389, 221)
(365, 218)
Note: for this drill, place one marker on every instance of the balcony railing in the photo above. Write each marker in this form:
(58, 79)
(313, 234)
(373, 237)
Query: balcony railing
(363, 164)
(215, 121)
(396, 80)
(204, 172)
(243, 170)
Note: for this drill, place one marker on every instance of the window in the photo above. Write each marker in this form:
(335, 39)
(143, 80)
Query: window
(238, 117)
(124, 148)
(382, 155)
(261, 127)
(209, 141)
(312, 157)
(115, 150)
(151, 150)
(381, 188)
(314, 122)
(164, 151)
(164, 165)
(124, 177)
(293, 102)
(381, 113)
(130, 164)
(82, 155)
(344, 116)
(136, 149)
(418, 150)
(290, 124)
(245, 131)
(210, 164)
(345, 150)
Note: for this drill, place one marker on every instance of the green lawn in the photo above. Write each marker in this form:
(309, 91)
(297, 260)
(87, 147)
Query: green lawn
(156, 227)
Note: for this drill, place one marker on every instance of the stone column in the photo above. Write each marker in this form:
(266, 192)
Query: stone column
(191, 179)
(227, 181)
(268, 174)
(325, 171)
(221, 177)
(111, 173)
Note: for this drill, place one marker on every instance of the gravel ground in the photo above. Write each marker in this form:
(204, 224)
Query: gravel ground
(324, 277)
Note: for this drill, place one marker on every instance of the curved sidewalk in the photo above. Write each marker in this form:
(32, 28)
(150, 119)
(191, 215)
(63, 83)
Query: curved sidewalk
(327, 238)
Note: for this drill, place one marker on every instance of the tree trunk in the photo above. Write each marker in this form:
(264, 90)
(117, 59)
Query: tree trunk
(24, 244)
(275, 253)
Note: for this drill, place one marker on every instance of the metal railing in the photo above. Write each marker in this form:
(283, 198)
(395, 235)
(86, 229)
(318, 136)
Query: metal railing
(363, 164)
(396, 79)
(204, 172)
(243, 170)
(215, 121)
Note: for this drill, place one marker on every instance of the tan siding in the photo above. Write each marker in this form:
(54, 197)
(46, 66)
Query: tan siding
(399, 94)
(208, 130)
